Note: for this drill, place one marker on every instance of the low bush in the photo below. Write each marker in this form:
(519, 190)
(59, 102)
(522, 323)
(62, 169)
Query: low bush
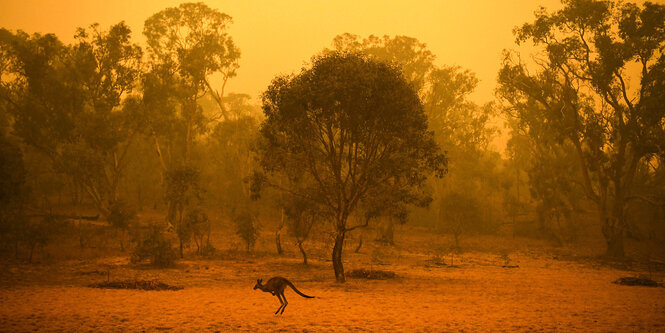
(153, 243)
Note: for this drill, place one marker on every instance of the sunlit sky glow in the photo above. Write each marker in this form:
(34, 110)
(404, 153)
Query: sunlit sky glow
(280, 36)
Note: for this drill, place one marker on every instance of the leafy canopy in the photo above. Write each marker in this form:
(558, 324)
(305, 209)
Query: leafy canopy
(352, 126)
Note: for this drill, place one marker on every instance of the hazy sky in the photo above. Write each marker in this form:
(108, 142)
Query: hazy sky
(278, 36)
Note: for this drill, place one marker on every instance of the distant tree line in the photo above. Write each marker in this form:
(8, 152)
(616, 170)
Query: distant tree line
(371, 133)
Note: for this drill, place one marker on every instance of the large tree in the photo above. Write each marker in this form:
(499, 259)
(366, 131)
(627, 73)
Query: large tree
(461, 127)
(596, 85)
(73, 104)
(357, 129)
(188, 46)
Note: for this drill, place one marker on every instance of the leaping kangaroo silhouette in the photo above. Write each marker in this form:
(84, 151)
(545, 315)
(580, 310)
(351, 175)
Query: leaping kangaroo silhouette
(276, 286)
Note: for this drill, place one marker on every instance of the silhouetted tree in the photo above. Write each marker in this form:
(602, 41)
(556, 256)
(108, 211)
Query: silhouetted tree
(301, 215)
(355, 127)
(461, 127)
(246, 227)
(13, 192)
(70, 102)
(578, 92)
(459, 212)
(121, 217)
(187, 45)
(183, 193)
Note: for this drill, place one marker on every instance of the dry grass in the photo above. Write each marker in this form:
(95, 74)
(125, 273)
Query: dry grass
(551, 290)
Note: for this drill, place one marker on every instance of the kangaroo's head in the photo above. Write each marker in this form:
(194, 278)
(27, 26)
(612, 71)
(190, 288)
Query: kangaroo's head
(258, 284)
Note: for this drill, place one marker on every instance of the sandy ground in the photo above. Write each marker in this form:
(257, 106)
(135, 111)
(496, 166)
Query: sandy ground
(543, 294)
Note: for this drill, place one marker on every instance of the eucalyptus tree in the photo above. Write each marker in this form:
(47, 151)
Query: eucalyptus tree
(356, 128)
(188, 46)
(596, 84)
(462, 128)
(74, 104)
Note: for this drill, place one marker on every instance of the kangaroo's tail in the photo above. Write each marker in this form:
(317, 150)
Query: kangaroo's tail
(296, 290)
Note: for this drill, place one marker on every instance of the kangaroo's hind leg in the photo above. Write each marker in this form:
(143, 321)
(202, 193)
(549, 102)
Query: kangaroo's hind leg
(285, 303)
(280, 301)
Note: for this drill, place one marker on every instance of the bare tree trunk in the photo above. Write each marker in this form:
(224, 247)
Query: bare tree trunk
(139, 196)
(121, 236)
(613, 232)
(32, 250)
(337, 256)
(360, 244)
(278, 240)
(302, 250)
(389, 231)
(614, 227)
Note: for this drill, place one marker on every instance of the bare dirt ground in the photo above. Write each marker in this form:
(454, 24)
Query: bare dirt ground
(545, 293)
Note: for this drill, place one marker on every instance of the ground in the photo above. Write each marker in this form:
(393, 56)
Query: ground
(545, 292)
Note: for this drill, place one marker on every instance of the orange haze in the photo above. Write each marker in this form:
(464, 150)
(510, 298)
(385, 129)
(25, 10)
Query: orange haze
(279, 36)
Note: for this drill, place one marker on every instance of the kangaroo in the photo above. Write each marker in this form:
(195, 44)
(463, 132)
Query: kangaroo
(276, 286)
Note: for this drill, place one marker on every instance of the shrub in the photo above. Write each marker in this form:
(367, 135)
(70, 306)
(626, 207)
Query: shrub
(198, 225)
(121, 215)
(153, 243)
(247, 228)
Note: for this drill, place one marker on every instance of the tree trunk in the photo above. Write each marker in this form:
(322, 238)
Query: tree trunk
(615, 247)
(278, 243)
(613, 233)
(121, 236)
(360, 244)
(304, 255)
(139, 196)
(613, 230)
(278, 240)
(32, 250)
(389, 231)
(337, 256)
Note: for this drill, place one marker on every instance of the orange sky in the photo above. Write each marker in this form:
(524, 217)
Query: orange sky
(279, 36)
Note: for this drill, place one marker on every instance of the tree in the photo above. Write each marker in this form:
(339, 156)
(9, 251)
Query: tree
(461, 127)
(246, 227)
(412, 56)
(121, 217)
(188, 44)
(12, 192)
(197, 220)
(301, 216)
(353, 126)
(229, 146)
(459, 211)
(549, 165)
(443, 89)
(580, 93)
(72, 103)
(183, 190)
